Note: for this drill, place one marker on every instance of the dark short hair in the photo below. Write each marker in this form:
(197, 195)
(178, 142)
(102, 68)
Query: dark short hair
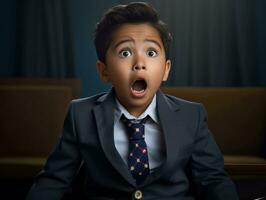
(133, 13)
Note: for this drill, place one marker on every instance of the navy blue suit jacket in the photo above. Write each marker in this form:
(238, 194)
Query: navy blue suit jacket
(193, 166)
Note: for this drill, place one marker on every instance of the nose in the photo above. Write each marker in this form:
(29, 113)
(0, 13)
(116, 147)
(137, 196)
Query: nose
(139, 64)
(139, 67)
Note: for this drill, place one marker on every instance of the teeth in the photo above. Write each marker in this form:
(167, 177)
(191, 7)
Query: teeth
(141, 91)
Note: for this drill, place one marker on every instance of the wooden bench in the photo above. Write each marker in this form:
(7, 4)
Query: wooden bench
(32, 115)
(237, 119)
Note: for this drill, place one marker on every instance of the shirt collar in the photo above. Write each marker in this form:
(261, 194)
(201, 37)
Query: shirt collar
(151, 111)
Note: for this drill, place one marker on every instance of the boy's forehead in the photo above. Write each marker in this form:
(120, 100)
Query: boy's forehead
(132, 32)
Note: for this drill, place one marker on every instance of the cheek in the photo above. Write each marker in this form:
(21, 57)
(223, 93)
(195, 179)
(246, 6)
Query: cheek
(114, 67)
(119, 75)
(157, 80)
(158, 69)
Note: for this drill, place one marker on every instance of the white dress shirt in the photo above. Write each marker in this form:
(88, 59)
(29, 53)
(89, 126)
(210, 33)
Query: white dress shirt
(153, 134)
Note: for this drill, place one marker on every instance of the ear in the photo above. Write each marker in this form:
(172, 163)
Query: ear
(102, 71)
(167, 69)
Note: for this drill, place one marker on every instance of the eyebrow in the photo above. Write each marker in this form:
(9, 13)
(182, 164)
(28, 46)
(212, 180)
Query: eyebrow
(130, 40)
(154, 41)
(121, 42)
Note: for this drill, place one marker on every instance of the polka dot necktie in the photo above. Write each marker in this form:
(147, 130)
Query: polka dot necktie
(138, 162)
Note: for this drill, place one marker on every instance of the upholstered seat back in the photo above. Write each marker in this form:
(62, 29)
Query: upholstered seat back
(236, 116)
(31, 118)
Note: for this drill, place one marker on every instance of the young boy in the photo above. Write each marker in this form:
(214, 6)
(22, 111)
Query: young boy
(135, 142)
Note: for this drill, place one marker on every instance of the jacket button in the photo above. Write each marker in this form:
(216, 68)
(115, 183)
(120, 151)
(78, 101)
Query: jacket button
(138, 194)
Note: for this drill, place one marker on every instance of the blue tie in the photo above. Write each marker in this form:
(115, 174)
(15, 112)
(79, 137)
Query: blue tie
(138, 162)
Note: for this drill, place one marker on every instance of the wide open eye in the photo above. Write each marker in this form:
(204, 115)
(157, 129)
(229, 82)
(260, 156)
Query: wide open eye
(152, 53)
(125, 53)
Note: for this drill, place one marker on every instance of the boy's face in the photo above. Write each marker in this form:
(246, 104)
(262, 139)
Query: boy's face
(135, 65)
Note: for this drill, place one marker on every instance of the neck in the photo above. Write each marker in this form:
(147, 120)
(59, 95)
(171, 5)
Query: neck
(136, 112)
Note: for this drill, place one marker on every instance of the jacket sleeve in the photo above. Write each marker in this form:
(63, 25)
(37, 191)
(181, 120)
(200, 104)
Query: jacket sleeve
(208, 172)
(61, 166)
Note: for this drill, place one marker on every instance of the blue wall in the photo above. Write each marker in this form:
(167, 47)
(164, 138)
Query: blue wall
(261, 39)
(7, 37)
(84, 15)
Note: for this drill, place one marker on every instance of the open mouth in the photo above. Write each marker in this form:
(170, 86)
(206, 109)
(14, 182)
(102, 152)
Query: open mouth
(139, 87)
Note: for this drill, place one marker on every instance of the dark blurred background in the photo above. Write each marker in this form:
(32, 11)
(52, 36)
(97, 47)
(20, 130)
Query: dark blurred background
(216, 43)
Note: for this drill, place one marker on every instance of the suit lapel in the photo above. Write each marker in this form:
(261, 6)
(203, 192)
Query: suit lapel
(168, 117)
(104, 115)
(169, 121)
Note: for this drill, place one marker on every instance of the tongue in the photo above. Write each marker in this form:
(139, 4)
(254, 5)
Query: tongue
(139, 85)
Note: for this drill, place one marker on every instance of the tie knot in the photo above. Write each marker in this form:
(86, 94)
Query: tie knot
(134, 129)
